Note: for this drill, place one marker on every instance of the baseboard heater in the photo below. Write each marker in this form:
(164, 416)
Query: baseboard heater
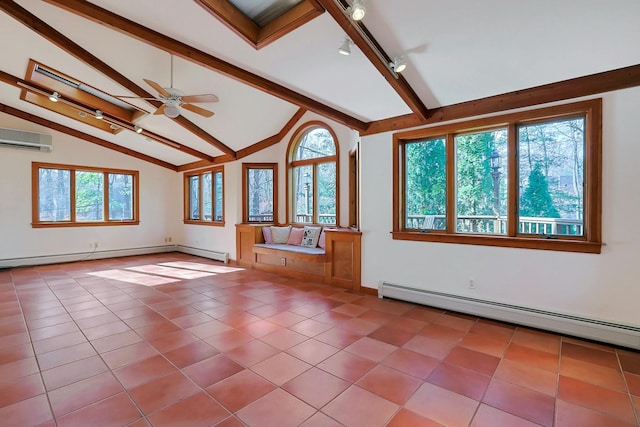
(205, 253)
(609, 332)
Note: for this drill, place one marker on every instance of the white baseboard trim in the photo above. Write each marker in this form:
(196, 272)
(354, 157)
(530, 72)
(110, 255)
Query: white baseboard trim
(205, 253)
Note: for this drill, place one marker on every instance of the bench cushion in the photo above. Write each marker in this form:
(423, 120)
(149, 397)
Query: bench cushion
(291, 248)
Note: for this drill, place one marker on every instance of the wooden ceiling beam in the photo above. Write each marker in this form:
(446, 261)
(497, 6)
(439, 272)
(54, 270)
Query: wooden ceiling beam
(607, 81)
(43, 29)
(84, 136)
(368, 48)
(102, 16)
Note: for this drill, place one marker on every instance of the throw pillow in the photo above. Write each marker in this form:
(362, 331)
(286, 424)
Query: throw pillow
(280, 234)
(266, 233)
(295, 237)
(322, 240)
(310, 236)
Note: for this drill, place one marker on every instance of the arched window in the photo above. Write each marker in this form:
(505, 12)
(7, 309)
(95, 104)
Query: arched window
(313, 176)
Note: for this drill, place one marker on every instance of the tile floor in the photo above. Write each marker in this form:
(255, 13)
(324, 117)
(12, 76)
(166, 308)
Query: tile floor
(175, 340)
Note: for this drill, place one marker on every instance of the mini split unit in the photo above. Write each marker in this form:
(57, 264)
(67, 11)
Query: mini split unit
(24, 140)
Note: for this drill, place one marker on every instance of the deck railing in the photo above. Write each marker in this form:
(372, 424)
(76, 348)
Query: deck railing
(488, 224)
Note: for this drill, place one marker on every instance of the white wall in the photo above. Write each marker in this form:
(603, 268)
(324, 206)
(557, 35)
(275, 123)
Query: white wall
(604, 286)
(159, 212)
(224, 238)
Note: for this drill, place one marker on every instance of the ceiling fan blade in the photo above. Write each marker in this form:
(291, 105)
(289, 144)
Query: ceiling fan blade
(197, 110)
(200, 98)
(158, 88)
(160, 110)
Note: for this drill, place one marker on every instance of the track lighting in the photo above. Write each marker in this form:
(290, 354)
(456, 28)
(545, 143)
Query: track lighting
(357, 10)
(137, 128)
(99, 115)
(54, 97)
(399, 64)
(345, 47)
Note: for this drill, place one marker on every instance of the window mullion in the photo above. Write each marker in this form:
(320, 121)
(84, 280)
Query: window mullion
(451, 184)
(105, 196)
(72, 186)
(512, 189)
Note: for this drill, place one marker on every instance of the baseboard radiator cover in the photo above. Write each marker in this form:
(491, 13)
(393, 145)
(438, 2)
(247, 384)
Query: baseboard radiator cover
(205, 253)
(598, 330)
(82, 256)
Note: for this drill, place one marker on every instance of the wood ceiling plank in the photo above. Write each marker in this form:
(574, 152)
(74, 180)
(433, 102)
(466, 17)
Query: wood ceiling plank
(189, 53)
(399, 84)
(607, 81)
(294, 18)
(43, 29)
(84, 136)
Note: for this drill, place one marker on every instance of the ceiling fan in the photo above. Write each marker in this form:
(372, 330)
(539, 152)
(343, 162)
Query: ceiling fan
(173, 99)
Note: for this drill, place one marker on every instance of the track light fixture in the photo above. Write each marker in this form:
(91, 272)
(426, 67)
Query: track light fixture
(137, 128)
(54, 97)
(357, 10)
(345, 47)
(99, 115)
(399, 64)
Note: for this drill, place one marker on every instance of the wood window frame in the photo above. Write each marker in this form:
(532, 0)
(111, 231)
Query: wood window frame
(246, 167)
(291, 164)
(187, 200)
(35, 199)
(590, 242)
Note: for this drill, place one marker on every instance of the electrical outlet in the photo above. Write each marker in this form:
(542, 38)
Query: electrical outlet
(283, 261)
(169, 239)
(472, 284)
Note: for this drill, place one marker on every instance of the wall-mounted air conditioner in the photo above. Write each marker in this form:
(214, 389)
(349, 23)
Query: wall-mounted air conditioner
(25, 140)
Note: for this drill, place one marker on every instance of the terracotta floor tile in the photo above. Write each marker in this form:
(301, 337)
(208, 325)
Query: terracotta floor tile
(488, 416)
(456, 321)
(569, 415)
(115, 341)
(227, 341)
(426, 314)
(208, 329)
(53, 331)
(429, 346)
(358, 326)
(494, 346)
(524, 403)
(65, 355)
(528, 376)
(493, 328)
(442, 333)
(310, 327)
(157, 330)
(29, 412)
(251, 353)
(590, 355)
(114, 411)
(91, 322)
(412, 363)
(376, 316)
(229, 422)
(291, 411)
(144, 371)
(14, 353)
(19, 368)
(474, 360)
(162, 391)
(127, 355)
(350, 309)
(532, 357)
(20, 389)
(259, 328)
(390, 384)
(239, 390)
(284, 339)
(358, 407)
(190, 354)
(593, 374)
(191, 320)
(316, 387)
(393, 336)
(172, 341)
(82, 393)
(630, 362)
(371, 349)
(199, 410)
(347, 366)
(72, 372)
(105, 330)
(441, 405)
(56, 343)
(312, 351)
(338, 337)
(460, 380)
(320, 420)
(210, 371)
(633, 382)
(549, 343)
(406, 418)
(286, 318)
(600, 399)
(280, 368)
(49, 321)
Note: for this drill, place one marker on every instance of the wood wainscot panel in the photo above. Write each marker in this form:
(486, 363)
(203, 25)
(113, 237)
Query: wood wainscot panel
(343, 248)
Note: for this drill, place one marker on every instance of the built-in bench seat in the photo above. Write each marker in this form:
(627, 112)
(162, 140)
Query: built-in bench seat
(337, 264)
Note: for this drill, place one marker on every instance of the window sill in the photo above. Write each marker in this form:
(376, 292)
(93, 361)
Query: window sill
(82, 224)
(209, 223)
(552, 244)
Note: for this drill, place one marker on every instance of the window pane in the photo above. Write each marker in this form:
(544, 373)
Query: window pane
(207, 197)
(303, 193)
(315, 143)
(89, 196)
(260, 197)
(481, 182)
(120, 197)
(426, 184)
(218, 196)
(54, 194)
(327, 193)
(551, 177)
(194, 195)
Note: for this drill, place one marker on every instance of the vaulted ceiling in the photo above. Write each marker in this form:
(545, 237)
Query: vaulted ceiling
(269, 61)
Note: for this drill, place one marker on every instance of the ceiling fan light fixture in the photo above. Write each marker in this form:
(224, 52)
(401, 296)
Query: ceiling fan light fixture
(137, 128)
(399, 64)
(99, 115)
(54, 97)
(345, 47)
(357, 10)
(171, 111)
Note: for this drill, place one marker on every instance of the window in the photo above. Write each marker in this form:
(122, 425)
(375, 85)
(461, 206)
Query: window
(204, 196)
(313, 176)
(74, 196)
(260, 192)
(529, 180)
